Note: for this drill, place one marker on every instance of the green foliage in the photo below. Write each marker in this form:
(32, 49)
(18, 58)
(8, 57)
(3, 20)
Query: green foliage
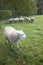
(25, 6)
(4, 14)
(20, 6)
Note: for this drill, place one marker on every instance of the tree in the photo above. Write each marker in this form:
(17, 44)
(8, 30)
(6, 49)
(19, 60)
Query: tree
(25, 6)
(20, 6)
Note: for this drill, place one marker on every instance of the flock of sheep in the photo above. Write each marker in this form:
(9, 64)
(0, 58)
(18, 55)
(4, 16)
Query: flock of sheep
(22, 19)
(12, 35)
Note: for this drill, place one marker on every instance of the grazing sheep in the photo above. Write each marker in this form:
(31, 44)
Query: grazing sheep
(21, 19)
(14, 20)
(12, 35)
(10, 20)
(30, 20)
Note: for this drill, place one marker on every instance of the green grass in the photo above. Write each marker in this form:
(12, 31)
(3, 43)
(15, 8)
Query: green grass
(31, 48)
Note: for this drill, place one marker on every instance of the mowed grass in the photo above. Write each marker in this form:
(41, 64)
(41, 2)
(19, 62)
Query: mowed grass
(31, 48)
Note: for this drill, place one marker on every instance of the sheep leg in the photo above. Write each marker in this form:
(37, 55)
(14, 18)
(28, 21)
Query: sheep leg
(17, 45)
(7, 41)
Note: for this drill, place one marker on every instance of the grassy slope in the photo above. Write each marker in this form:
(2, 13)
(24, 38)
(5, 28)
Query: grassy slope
(31, 48)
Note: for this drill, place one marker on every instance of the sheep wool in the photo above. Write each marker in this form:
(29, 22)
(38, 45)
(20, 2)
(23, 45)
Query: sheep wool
(11, 34)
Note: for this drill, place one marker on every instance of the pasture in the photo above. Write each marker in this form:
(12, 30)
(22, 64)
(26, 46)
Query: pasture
(31, 48)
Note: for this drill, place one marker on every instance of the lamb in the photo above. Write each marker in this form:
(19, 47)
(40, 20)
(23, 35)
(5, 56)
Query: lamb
(12, 35)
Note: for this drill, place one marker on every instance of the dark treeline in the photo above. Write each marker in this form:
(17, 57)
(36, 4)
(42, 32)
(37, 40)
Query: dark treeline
(19, 7)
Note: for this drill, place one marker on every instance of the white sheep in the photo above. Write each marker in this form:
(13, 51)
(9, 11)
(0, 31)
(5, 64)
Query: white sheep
(32, 19)
(21, 19)
(14, 20)
(28, 19)
(12, 35)
(10, 20)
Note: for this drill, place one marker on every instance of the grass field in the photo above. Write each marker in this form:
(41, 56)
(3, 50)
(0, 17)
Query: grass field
(31, 48)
